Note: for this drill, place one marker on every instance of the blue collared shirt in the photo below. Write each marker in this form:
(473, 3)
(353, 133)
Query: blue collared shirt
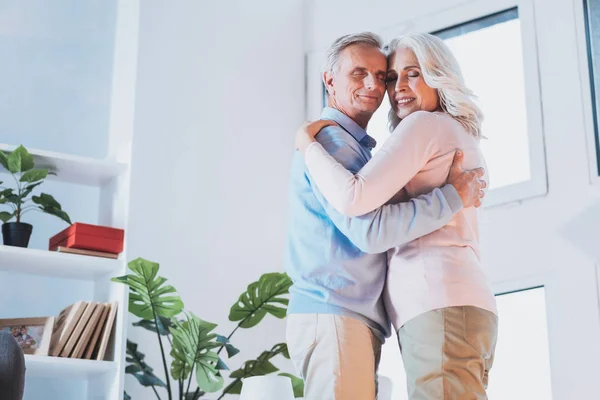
(338, 264)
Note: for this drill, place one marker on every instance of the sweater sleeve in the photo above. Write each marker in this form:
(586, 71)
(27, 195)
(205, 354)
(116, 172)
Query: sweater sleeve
(403, 155)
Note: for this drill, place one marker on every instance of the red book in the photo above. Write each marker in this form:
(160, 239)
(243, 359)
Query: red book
(89, 237)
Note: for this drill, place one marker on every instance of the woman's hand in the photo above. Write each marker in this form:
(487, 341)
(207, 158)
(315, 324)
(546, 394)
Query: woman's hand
(305, 135)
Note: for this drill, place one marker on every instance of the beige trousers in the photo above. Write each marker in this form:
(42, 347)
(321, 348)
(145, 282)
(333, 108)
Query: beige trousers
(448, 353)
(337, 356)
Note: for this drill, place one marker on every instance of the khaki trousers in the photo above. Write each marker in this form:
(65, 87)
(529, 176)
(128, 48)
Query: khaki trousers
(337, 356)
(448, 353)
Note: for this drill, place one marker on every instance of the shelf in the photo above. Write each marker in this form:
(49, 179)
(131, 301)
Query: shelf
(59, 367)
(51, 263)
(73, 169)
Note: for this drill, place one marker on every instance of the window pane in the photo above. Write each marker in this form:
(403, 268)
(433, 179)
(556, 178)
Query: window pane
(592, 10)
(521, 369)
(490, 55)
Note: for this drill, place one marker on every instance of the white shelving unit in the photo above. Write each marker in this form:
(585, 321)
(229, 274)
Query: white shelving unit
(54, 264)
(66, 368)
(74, 169)
(61, 279)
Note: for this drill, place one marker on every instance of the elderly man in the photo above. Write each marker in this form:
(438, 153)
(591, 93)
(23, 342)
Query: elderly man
(336, 320)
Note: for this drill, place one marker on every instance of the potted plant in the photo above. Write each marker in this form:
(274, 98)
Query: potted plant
(21, 166)
(195, 354)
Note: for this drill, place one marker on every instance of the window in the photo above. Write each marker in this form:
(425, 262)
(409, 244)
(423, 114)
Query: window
(521, 369)
(485, 48)
(592, 20)
(498, 57)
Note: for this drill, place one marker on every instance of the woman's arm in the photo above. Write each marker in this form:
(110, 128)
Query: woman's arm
(401, 157)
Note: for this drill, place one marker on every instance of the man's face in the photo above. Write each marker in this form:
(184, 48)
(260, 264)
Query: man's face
(357, 86)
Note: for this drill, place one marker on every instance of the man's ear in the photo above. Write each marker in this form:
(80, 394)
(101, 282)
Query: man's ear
(328, 81)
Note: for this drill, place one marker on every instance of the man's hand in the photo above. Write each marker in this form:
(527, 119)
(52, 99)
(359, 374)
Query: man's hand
(467, 183)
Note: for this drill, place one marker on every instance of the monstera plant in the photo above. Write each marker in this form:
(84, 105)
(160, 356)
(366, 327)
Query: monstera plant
(195, 347)
(20, 164)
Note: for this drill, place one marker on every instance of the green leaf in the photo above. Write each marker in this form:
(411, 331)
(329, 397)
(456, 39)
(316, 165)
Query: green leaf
(192, 344)
(46, 200)
(148, 294)
(138, 367)
(231, 350)
(164, 324)
(29, 188)
(20, 160)
(6, 216)
(221, 365)
(261, 366)
(193, 396)
(50, 206)
(4, 160)
(126, 396)
(260, 298)
(297, 384)
(234, 387)
(34, 175)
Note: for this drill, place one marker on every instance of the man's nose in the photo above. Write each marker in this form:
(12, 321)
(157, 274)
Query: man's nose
(370, 82)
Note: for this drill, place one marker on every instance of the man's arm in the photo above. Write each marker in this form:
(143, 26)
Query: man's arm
(393, 224)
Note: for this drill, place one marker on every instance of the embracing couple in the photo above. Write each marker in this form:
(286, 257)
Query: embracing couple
(393, 239)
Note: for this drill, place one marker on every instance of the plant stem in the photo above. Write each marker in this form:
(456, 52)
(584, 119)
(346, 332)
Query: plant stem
(190, 380)
(164, 360)
(156, 393)
(181, 389)
(230, 385)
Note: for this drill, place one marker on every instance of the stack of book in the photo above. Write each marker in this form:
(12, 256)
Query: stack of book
(87, 239)
(83, 330)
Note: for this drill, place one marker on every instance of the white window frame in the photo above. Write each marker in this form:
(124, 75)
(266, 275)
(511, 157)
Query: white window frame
(538, 184)
(573, 316)
(585, 65)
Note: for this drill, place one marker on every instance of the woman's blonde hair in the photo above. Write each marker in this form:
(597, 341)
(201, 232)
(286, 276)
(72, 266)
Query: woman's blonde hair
(441, 72)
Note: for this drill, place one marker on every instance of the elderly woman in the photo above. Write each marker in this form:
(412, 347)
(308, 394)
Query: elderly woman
(437, 295)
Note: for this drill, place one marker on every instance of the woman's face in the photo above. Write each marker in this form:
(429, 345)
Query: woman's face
(406, 87)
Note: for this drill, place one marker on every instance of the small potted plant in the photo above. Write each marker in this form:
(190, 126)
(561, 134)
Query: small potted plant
(20, 165)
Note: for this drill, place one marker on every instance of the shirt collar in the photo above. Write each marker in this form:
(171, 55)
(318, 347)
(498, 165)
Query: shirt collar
(349, 126)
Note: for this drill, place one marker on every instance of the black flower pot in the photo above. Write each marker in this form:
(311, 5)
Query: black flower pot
(16, 234)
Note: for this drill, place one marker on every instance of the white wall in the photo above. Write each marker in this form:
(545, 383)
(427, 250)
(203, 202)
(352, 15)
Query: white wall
(524, 243)
(220, 92)
(57, 71)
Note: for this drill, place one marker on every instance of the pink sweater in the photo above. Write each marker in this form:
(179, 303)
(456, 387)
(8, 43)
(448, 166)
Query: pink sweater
(442, 269)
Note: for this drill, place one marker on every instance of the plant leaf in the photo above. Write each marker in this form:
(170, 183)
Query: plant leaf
(4, 160)
(20, 160)
(126, 396)
(147, 293)
(29, 188)
(234, 387)
(138, 367)
(164, 324)
(6, 216)
(192, 344)
(34, 175)
(261, 298)
(261, 366)
(193, 396)
(297, 384)
(50, 206)
(46, 200)
(231, 350)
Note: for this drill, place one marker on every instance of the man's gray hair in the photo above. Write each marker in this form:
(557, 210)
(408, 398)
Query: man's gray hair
(364, 38)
